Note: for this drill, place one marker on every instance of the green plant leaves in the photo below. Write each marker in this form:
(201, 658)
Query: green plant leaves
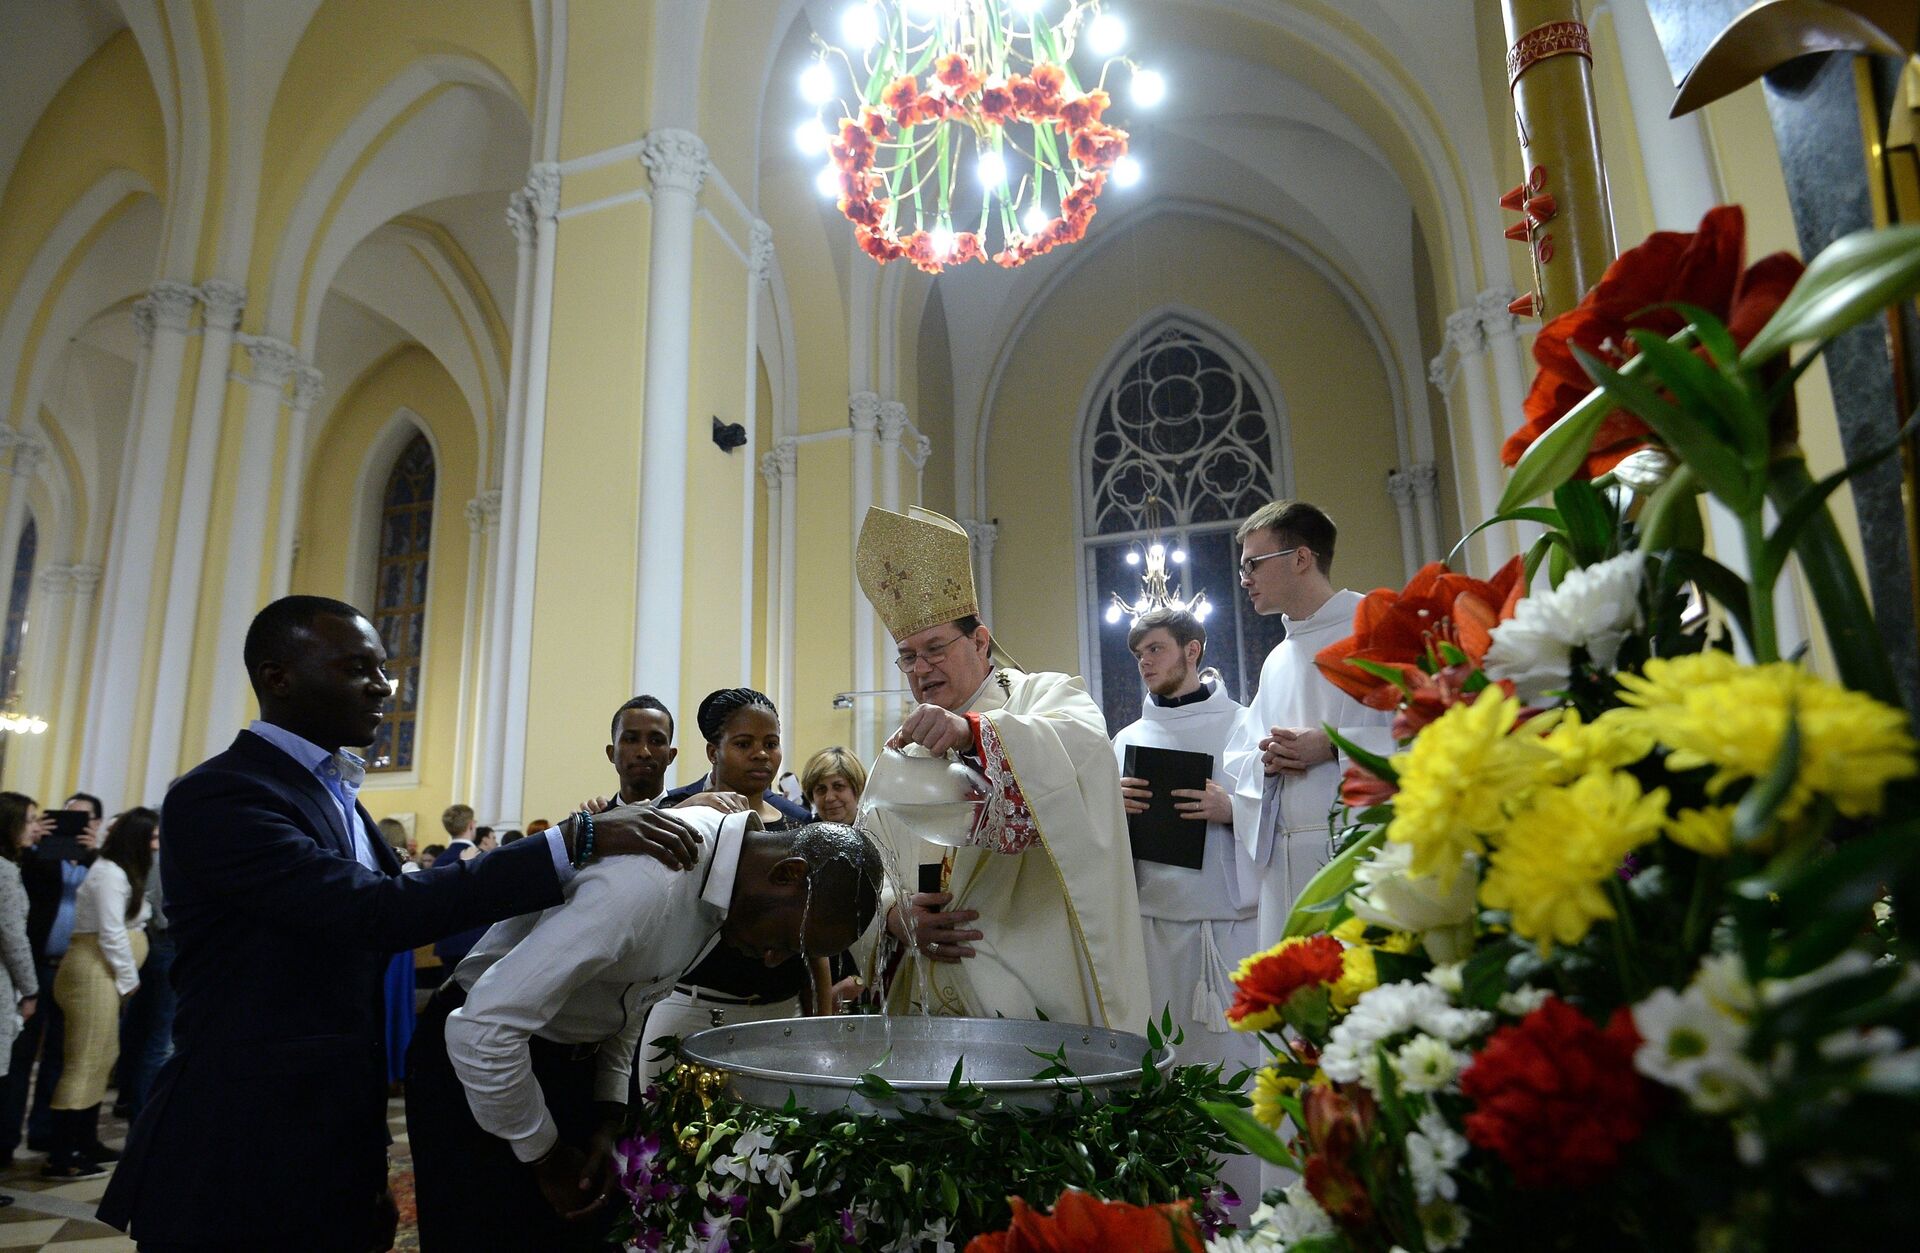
(1333, 880)
(1851, 281)
(1254, 1136)
(1559, 453)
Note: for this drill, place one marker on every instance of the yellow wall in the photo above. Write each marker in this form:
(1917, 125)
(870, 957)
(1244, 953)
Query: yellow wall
(1332, 388)
(409, 377)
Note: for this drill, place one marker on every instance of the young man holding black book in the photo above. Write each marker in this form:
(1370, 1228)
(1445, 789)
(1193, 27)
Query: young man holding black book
(1199, 892)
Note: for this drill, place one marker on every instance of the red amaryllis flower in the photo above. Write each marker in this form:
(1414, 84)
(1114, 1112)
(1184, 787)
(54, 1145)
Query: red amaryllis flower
(1266, 980)
(1403, 630)
(1097, 145)
(956, 75)
(1083, 110)
(1361, 788)
(1083, 1223)
(1340, 1192)
(1434, 694)
(996, 103)
(1556, 1096)
(1702, 269)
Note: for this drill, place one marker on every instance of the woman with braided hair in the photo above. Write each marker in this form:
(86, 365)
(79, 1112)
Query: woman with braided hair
(742, 731)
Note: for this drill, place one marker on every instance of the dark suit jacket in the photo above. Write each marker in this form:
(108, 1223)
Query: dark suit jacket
(794, 813)
(268, 1125)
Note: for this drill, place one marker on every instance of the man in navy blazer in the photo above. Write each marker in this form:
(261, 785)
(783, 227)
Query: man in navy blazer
(267, 1128)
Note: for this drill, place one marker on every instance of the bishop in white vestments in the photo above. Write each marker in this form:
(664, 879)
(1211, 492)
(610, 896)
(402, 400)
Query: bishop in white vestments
(1037, 912)
(1286, 772)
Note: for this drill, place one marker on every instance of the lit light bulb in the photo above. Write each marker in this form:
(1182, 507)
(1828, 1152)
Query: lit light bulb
(860, 26)
(816, 83)
(1149, 88)
(926, 11)
(827, 182)
(810, 137)
(1113, 613)
(1158, 552)
(1107, 34)
(1202, 612)
(1179, 556)
(1133, 558)
(1127, 171)
(942, 240)
(992, 168)
(1027, 6)
(1036, 219)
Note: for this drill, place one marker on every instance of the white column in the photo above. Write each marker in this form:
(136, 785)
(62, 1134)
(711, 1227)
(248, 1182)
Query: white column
(28, 452)
(1425, 478)
(983, 536)
(483, 515)
(782, 465)
(82, 581)
(1501, 331)
(1467, 338)
(1400, 488)
(307, 383)
(127, 607)
(272, 363)
(893, 423)
(919, 448)
(759, 260)
(498, 640)
(543, 203)
(863, 414)
(676, 162)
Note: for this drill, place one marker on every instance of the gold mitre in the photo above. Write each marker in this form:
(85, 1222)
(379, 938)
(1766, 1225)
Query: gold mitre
(916, 569)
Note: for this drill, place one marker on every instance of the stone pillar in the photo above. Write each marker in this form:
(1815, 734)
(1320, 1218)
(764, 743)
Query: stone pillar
(759, 261)
(983, 536)
(273, 364)
(893, 423)
(134, 550)
(542, 206)
(1400, 489)
(863, 415)
(82, 582)
(1501, 331)
(676, 162)
(498, 636)
(307, 385)
(780, 467)
(1425, 477)
(483, 518)
(1466, 337)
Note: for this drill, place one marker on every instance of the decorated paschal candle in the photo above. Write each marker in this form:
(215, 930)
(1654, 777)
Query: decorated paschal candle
(1566, 221)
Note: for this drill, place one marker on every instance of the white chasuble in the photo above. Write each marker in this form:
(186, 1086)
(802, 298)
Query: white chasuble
(1282, 820)
(1047, 864)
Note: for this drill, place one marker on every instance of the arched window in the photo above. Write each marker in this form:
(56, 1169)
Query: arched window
(400, 598)
(16, 636)
(1185, 420)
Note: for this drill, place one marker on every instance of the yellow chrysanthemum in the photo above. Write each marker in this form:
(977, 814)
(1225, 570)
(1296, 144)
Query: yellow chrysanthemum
(1582, 747)
(1269, 1085)
(1352, 931)
(1552, 864)
(1456, 780)
(1708, 832)
(1358, 976)
(1710, 710)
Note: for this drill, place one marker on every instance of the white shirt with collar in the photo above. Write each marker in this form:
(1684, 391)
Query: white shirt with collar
(585, 972)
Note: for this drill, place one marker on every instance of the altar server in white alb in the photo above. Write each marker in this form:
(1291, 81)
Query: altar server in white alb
(1285, 769)
(1038, 912)
(1198, 924)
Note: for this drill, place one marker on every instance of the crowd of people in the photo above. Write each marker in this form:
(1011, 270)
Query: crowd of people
(567, 955)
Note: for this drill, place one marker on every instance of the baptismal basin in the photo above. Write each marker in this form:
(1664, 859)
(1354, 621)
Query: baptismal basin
(820, 1061)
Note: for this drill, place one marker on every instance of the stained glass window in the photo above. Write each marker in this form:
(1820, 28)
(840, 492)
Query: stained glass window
(16, 635)
(1185, 422)
(400, 599)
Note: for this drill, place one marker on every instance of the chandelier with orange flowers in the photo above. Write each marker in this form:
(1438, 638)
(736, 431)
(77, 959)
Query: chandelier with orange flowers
(969, 136)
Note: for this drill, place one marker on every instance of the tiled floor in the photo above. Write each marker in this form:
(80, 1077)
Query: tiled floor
(60, 1216)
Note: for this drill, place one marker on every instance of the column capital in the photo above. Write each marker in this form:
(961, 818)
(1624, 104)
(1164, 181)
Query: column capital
(307, 385)
(983, 534)
(1491, 305)
(1400, 486)
(171, 304)
(28, 452)
(1466, 331)
(483, 511)
(893, 420)
(770, 470)
(542, 192)
(271, 361)
(1425, 477)
(785, 456)
(863, 411)
(919, 448)
(83, 578)
(223, 301)
(143, 321)
(1440, 372)
(520, 218)
(760, 252)
(676, 160)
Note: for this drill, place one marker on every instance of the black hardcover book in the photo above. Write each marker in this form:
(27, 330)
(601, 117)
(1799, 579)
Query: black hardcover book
(1161, 834)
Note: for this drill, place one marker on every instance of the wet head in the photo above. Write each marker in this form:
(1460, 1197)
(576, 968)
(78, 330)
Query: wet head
(810, 891)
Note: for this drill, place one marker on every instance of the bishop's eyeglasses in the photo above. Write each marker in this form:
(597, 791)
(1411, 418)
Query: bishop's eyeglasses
(931, 654)
(1248, 563)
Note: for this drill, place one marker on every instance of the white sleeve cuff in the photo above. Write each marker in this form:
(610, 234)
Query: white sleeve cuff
(540, 1142)
(557, 847)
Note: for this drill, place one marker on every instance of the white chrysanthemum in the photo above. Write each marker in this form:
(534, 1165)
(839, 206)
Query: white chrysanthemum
(1689, 1044)
(1433, 1150)
(1444, 1225)
(1523, 1001)
(1388, 1011)
(1392, 896)
(1722, 979)
(1449, 977)
(1592, 609)
(1425, 1064)
(1895, 1073)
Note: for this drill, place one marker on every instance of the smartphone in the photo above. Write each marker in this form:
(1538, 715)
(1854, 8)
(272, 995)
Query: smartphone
(68, 823)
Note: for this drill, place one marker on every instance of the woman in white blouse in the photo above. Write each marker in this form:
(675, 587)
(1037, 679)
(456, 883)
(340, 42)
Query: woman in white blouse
(101, 970)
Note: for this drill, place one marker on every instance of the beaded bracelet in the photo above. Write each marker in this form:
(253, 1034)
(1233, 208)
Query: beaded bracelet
(583, 846)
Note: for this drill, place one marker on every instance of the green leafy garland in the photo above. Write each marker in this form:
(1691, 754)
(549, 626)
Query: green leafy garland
(705, 1171)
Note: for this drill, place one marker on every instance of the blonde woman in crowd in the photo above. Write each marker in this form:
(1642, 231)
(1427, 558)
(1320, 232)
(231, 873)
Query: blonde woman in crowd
(832, 780)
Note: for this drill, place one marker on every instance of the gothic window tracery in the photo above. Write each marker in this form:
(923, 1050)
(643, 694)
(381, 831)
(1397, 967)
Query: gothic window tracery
(400, 599)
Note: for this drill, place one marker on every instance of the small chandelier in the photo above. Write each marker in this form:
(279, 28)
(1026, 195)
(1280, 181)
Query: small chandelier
(22, 724)
(1154, 592)
(971, 138)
